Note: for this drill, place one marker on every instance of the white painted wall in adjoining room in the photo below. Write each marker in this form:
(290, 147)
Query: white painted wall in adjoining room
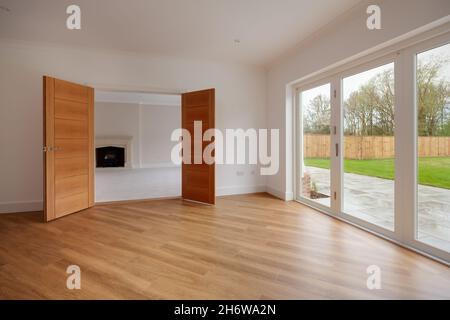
(118, 120)
(343, 38)
(152, 173)
(156, 126)
(240, 103)
(149, 127)
(116, 184)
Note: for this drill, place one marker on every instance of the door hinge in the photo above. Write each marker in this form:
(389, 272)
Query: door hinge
(334, 195)
(334, 93)
(337, 150)
(334, 130)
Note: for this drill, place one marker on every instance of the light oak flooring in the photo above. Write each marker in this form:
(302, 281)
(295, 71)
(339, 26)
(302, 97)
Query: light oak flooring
(245, 247)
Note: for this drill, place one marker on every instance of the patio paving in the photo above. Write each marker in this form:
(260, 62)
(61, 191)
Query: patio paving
(372, 199)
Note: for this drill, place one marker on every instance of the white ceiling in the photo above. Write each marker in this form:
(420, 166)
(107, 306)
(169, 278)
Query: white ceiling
(203, 29)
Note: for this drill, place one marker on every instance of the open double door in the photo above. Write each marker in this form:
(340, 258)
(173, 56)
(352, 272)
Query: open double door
(69, 147)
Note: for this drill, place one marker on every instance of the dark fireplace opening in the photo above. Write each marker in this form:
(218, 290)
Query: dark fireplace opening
(107, 157)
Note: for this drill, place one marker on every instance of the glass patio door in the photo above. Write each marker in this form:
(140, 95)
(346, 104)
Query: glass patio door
(432, 82)
(314, 144)
(346, 145)
(372, 144)
(368, 148)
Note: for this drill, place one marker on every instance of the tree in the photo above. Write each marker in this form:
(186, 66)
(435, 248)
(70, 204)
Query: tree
(317, 116)
(370, 109)
(433, 99)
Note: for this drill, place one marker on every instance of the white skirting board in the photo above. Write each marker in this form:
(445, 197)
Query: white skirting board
(26, 206)
(227, 191)
(286, 196)
(22, 206)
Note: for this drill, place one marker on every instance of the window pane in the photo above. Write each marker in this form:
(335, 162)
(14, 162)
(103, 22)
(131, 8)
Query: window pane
(315, 173)
(369, 153)
(433, 127)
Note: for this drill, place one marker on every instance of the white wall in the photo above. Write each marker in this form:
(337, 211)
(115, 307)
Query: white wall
(115, 184)
(157, 124)
(149, 126)
(240, 90)
(341, 39)
(152, 173)
(119, 119)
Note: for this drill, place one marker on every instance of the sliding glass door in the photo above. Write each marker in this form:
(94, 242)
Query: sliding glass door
(346, 144)
(314, 143)
(433, 147)
(373, 144)
(369, 145)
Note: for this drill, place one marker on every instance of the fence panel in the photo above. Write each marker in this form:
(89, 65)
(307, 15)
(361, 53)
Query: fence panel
(373, 147)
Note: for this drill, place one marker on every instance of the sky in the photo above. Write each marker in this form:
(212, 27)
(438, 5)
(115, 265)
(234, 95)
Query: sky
(443, 52)
(353, 83)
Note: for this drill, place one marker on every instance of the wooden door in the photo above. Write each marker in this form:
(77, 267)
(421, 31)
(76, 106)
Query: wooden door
(198, 180)
(68, 148)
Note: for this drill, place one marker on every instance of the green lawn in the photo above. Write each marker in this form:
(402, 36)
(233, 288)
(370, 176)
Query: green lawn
(432, 171)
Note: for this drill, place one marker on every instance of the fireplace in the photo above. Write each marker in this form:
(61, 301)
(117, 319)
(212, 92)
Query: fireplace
(117, 149)
(110, 156)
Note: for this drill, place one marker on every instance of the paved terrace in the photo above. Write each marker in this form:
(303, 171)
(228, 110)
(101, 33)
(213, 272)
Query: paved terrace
(372, 199)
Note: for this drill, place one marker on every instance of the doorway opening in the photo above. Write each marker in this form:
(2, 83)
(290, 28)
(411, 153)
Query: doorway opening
(133, 145)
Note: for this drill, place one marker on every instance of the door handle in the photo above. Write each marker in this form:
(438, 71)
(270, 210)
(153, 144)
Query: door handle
(337, 150)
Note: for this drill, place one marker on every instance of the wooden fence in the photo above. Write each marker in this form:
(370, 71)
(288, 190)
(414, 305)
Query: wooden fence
(373, 147)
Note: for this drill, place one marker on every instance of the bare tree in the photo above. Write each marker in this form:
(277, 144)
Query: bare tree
(317, 116)
(433, 99)
(370, 110)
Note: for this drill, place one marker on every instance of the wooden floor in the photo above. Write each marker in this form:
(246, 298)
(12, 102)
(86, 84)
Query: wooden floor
(246, 247)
